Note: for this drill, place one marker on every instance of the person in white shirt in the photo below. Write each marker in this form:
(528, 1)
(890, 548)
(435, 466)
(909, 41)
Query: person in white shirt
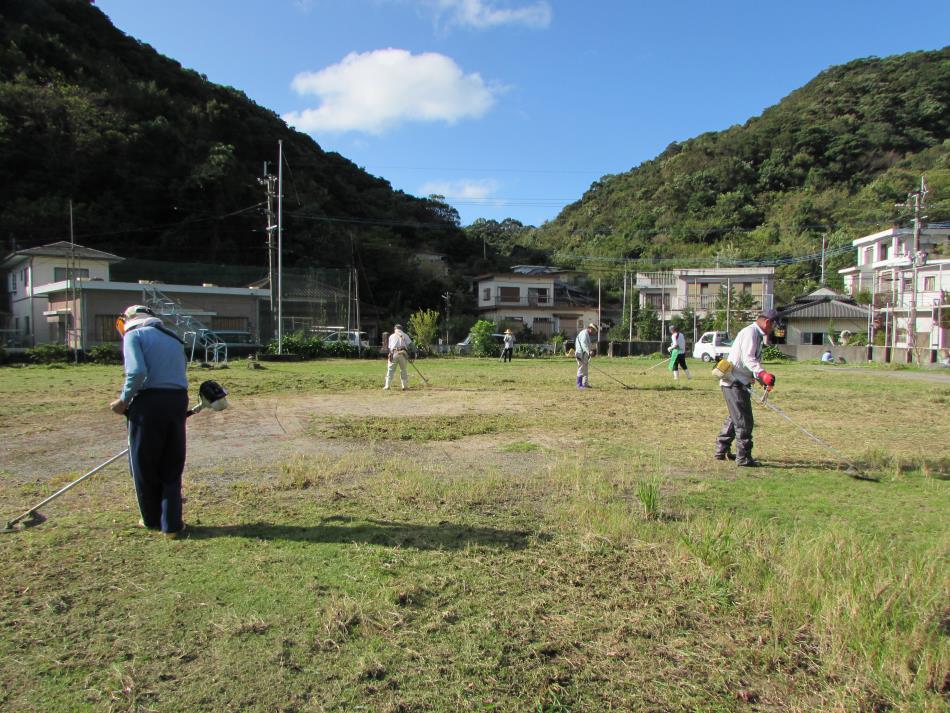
(399, 344)
(745, 357)
(827, 357)
(583, 351)
(678, 344)
(509, 346)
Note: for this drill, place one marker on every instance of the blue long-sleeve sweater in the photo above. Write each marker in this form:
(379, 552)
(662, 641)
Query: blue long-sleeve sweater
(153, 360)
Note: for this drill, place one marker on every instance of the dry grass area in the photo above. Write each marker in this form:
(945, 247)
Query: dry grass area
(496, 541)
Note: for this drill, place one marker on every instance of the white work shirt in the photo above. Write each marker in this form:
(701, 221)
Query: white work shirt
(509, 341)
(745, 355)
(582, 343)
(399, 340)
(678, 341)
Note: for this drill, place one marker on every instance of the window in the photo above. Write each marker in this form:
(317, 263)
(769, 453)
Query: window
(930, 283)
(486, 294)
(868, 256)
(236, 323)
(104, 328)
(13, 283)
(813, 338)
(61, 273)
(509, 294)
(26, 326)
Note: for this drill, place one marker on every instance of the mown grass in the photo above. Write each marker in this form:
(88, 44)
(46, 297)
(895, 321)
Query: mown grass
(513, 545)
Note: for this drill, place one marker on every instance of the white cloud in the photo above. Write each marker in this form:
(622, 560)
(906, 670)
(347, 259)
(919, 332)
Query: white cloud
(482, 14)
(479, 190)
(375, 91)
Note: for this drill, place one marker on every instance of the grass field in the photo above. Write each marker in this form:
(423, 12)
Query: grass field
(495, 541)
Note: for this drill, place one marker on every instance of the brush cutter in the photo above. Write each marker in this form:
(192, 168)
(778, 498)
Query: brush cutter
(211, 395)
(413, 364)
(851, 470)
(659, 363)
(601, 371)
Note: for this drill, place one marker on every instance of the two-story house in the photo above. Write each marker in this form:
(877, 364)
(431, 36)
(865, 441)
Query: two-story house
(884, 272)
(535, 297)
(670, 292)
(26, 271)
(63, 293)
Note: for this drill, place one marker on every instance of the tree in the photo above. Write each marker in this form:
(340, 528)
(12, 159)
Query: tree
(647, 324)
(424, 328)
(482, 342)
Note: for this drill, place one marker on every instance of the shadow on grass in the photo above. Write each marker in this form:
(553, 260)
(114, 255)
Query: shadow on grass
(861, 473)
(344, 529)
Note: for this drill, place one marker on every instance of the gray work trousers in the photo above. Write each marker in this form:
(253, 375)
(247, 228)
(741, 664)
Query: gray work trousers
(738, 424)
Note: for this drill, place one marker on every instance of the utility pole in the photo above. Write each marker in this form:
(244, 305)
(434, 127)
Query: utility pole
(919, 198)
(599, 321)
(728, 303)
(280, 247)
(269, 182)
(824, 239)
(356, 303)
(623, 309)
(447, 296)
(71, 273)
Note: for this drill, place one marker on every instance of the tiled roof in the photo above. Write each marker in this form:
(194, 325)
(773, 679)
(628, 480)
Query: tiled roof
(66, 249)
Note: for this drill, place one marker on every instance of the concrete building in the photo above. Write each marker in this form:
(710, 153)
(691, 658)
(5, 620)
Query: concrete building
(884, 273)
(64, 294)
(673, 291)
(535, 297)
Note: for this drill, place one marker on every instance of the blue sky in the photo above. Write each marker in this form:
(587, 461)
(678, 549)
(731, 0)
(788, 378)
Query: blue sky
(512, 108)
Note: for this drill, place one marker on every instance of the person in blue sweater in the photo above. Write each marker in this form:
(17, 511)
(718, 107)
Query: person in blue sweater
(154, 400)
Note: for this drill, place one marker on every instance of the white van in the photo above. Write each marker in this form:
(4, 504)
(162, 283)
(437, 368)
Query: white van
(712, 346)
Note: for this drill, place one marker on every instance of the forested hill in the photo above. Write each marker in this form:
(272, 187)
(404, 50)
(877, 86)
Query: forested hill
(162, 164)
(833, 157)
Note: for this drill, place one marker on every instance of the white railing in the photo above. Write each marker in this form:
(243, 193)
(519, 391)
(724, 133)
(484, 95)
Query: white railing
(656, 279)
(191, 330)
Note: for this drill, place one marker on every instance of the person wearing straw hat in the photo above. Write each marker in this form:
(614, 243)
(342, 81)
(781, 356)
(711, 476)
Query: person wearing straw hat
(677, 351)
(399, 344)
(154, 400)
(583, 351)
(508, 346)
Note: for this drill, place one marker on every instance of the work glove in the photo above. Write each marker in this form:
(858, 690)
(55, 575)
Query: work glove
(767, 379)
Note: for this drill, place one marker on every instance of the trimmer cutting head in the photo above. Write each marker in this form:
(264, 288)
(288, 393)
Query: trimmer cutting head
(35, 518)
(213, 395)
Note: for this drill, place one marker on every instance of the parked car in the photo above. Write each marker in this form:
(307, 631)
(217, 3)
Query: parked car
(239, 343)
(712, 346)
(351, 337)
(465, 346)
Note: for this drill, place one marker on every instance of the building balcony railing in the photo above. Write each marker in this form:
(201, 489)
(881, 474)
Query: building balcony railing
(529, 301)
(655, 279)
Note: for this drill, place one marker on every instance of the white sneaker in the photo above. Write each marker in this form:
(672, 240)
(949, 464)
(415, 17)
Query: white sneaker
(386, 387)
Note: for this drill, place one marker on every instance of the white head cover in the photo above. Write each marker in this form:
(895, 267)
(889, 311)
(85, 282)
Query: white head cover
(137, 315)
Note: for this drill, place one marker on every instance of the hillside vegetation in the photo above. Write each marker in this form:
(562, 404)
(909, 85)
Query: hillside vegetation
(163, 165)
(831, 158)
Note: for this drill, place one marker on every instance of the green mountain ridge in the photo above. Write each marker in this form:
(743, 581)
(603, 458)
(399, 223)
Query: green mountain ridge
(832, 158)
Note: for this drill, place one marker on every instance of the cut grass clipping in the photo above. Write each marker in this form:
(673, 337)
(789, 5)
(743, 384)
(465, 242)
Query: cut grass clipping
(418, 428)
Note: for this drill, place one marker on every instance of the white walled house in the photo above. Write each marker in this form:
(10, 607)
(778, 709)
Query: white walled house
(25, 271)
(884, 271)
(672, 291)
(534, 298)
(64, 294)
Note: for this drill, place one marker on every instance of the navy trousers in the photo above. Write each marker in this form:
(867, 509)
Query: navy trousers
(156, 419)
(738, 424)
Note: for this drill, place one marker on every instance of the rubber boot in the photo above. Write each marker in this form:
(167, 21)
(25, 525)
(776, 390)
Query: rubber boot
(688, 377)
(676, 376)
(580, 382)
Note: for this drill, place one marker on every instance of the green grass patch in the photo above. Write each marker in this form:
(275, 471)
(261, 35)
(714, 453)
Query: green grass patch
(498, 541)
